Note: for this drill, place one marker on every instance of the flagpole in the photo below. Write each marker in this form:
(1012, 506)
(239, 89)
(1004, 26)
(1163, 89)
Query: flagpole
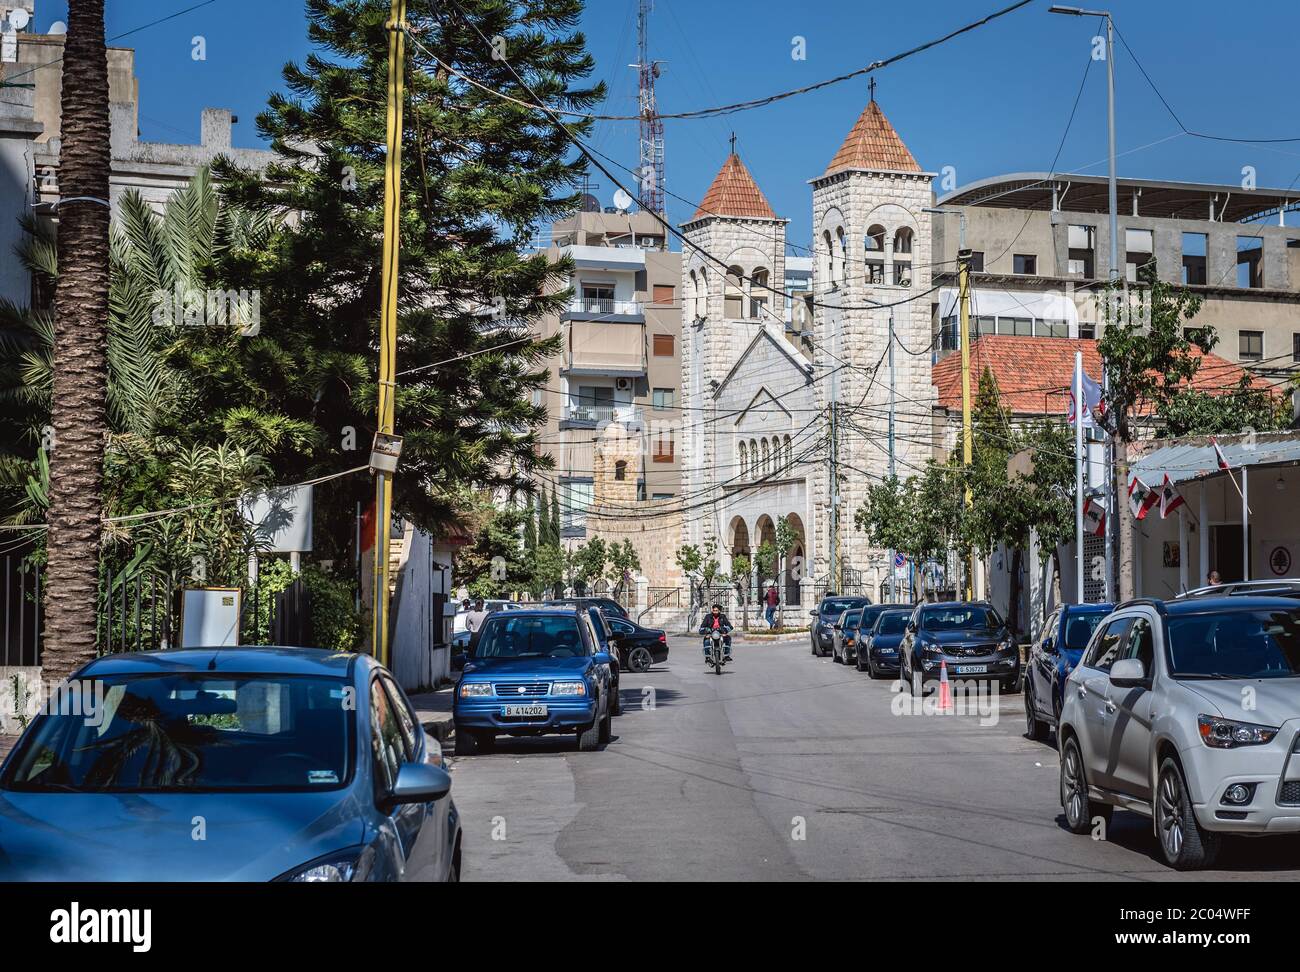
(1245, 524)
(1078, 474)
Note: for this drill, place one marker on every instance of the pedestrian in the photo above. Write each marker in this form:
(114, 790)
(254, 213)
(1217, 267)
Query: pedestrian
(475, 618)
(772, 598)
(1212, 578)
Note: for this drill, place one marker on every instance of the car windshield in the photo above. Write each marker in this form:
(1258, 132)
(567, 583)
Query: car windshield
(960, 618)
(852, 619)
(522, 636)
(892, 622)
(1236, 644)
(190, 732)
(1079, 628)
(834, 608)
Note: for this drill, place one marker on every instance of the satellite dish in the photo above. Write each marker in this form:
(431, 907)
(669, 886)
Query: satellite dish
(590, 204)
(58, 27)
(18, 18)
(622, 201)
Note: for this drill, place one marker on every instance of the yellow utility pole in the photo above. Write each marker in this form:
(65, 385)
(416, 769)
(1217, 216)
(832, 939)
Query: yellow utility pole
(967, 443)
(386, 416)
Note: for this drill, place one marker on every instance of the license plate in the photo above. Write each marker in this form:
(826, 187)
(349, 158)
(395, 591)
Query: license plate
(524, 710)
(971, 669)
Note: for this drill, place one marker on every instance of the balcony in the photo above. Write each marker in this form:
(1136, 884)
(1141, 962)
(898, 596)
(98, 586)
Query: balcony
(586, 415)
(604, 309)
(596, 348)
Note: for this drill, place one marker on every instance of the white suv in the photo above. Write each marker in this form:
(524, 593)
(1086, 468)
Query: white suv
(1189, 712)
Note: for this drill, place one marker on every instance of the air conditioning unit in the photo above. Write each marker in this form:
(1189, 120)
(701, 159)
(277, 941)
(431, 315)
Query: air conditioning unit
(623, 384)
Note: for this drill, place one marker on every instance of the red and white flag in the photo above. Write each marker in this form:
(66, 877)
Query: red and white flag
(1170, 499)
(1092, 401)
(1218, 454)
(1141, 498)
(1094, 518)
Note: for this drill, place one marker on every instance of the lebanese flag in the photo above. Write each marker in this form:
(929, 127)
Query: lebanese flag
(1092, 401)
(1170, 499)
(1094, 518)
(1218, 454)
(1141, 498)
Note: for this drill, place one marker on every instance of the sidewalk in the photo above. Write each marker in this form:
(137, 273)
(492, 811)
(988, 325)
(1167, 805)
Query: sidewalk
(433, 709)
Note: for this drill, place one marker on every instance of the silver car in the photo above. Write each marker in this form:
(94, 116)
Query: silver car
(228, 764)
(1187, 711)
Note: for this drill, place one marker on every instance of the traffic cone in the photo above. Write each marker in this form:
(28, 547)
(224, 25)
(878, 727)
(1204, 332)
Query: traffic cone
(945, 689)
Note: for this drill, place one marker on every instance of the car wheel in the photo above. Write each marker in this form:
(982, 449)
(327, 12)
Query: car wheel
(606, 727)
(1186, 846)
(639, 660)
(466, 742)
(1036, 728)
(857, 663)
(589, 736)
(835, 655)
(1080, 810)
(615, 700)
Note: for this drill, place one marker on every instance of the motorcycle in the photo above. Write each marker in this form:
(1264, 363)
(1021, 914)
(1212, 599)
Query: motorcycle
(715, 642)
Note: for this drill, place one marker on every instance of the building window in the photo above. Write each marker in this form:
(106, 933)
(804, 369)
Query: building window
(620, 470)
(1026, 263)
(1295, 347)
(575, 499)
(1250, 261)
(976, 261)
(1088, 332)
(1194, 249)
(661, 496)
(1083, 251)
(1059, 329)
(743, 461)
(663, 399)
(663, 346)
(663, 293)
(1139, 244)
(664, 451)
(1250, 345)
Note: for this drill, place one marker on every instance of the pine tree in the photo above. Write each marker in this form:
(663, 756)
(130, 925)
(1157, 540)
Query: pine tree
(544, 537)
(530, 527)
(479, 174)
(555, 517)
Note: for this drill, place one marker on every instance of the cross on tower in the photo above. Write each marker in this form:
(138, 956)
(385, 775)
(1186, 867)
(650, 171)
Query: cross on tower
(871, 86)
(733, 143)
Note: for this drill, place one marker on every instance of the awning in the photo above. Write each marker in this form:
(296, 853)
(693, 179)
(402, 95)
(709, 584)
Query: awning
(986, 302)
(1190, 459)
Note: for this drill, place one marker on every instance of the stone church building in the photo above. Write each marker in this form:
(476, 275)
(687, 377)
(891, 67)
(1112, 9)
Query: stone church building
(774, 412)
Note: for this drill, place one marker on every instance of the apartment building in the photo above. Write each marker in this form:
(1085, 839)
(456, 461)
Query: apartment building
(621, 357)
(1041, 257)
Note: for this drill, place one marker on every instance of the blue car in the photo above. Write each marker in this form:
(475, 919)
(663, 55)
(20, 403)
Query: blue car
(1052, 657)
(228, 764)
(878, 645)
(532, 672)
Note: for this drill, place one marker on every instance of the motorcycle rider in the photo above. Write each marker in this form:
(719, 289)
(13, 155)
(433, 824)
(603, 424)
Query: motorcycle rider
(717, 621)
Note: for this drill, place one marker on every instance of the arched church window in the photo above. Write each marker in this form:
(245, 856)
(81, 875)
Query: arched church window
(734, 294)
(767, 457)
(875, 246)
(789, 457)
(620, 470)
(841, 257)
(758, 292)
(743, 462)
(903, 240)
(693, 292)
(827, 260)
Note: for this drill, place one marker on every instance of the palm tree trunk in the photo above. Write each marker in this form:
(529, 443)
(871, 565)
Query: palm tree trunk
(81, 324)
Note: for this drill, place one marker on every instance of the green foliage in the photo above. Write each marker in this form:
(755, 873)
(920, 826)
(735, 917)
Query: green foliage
(741, 569)
(494, 565)
(623, 562)
(765, 557)
(547, 569)
(335, 624)
(1245, 408)
(589, 559)
(530, 527)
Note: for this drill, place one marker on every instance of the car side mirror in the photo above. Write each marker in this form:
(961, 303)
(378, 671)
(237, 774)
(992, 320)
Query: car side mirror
(458, 659)
(1049, 645)
(812, 613)
(911, 626)
(1128, 673)
(419, 783)
(602, 658)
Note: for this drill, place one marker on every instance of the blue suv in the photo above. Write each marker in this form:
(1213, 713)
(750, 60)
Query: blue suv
(1052, 657)
(532, 672)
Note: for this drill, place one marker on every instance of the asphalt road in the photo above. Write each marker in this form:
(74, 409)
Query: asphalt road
(790, 767)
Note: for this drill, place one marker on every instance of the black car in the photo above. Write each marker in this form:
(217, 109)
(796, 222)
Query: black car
(1052, 657)
(638, 647)
(853, 626)
(969, 637)
(825, 614)
(608, 605)
(878, 644)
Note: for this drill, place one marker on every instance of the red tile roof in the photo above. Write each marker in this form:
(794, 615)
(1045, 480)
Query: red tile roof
(872, 143)
(1034, 373)
(734, 193)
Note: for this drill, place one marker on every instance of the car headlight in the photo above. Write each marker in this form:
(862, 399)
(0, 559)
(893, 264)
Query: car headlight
(1218, 733)
(349, 864)
(930, 647)
(1006, 644)
(474, 690)
(569, 688)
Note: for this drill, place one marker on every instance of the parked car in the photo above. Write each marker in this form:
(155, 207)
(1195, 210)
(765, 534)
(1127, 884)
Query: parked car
(849, 630)
(1187, 711)
(535, 671)
(1278, 587)
(303, 765)
(968, 636)
(638, 647)
(825, 614)
(600, 623)
(1052, 657)
(608, 605)
(878, 645)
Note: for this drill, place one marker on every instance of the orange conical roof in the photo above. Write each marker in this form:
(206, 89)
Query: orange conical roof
(872, 143)
(734, 193)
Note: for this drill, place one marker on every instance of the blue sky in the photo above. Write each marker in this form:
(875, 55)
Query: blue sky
(993, 101)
